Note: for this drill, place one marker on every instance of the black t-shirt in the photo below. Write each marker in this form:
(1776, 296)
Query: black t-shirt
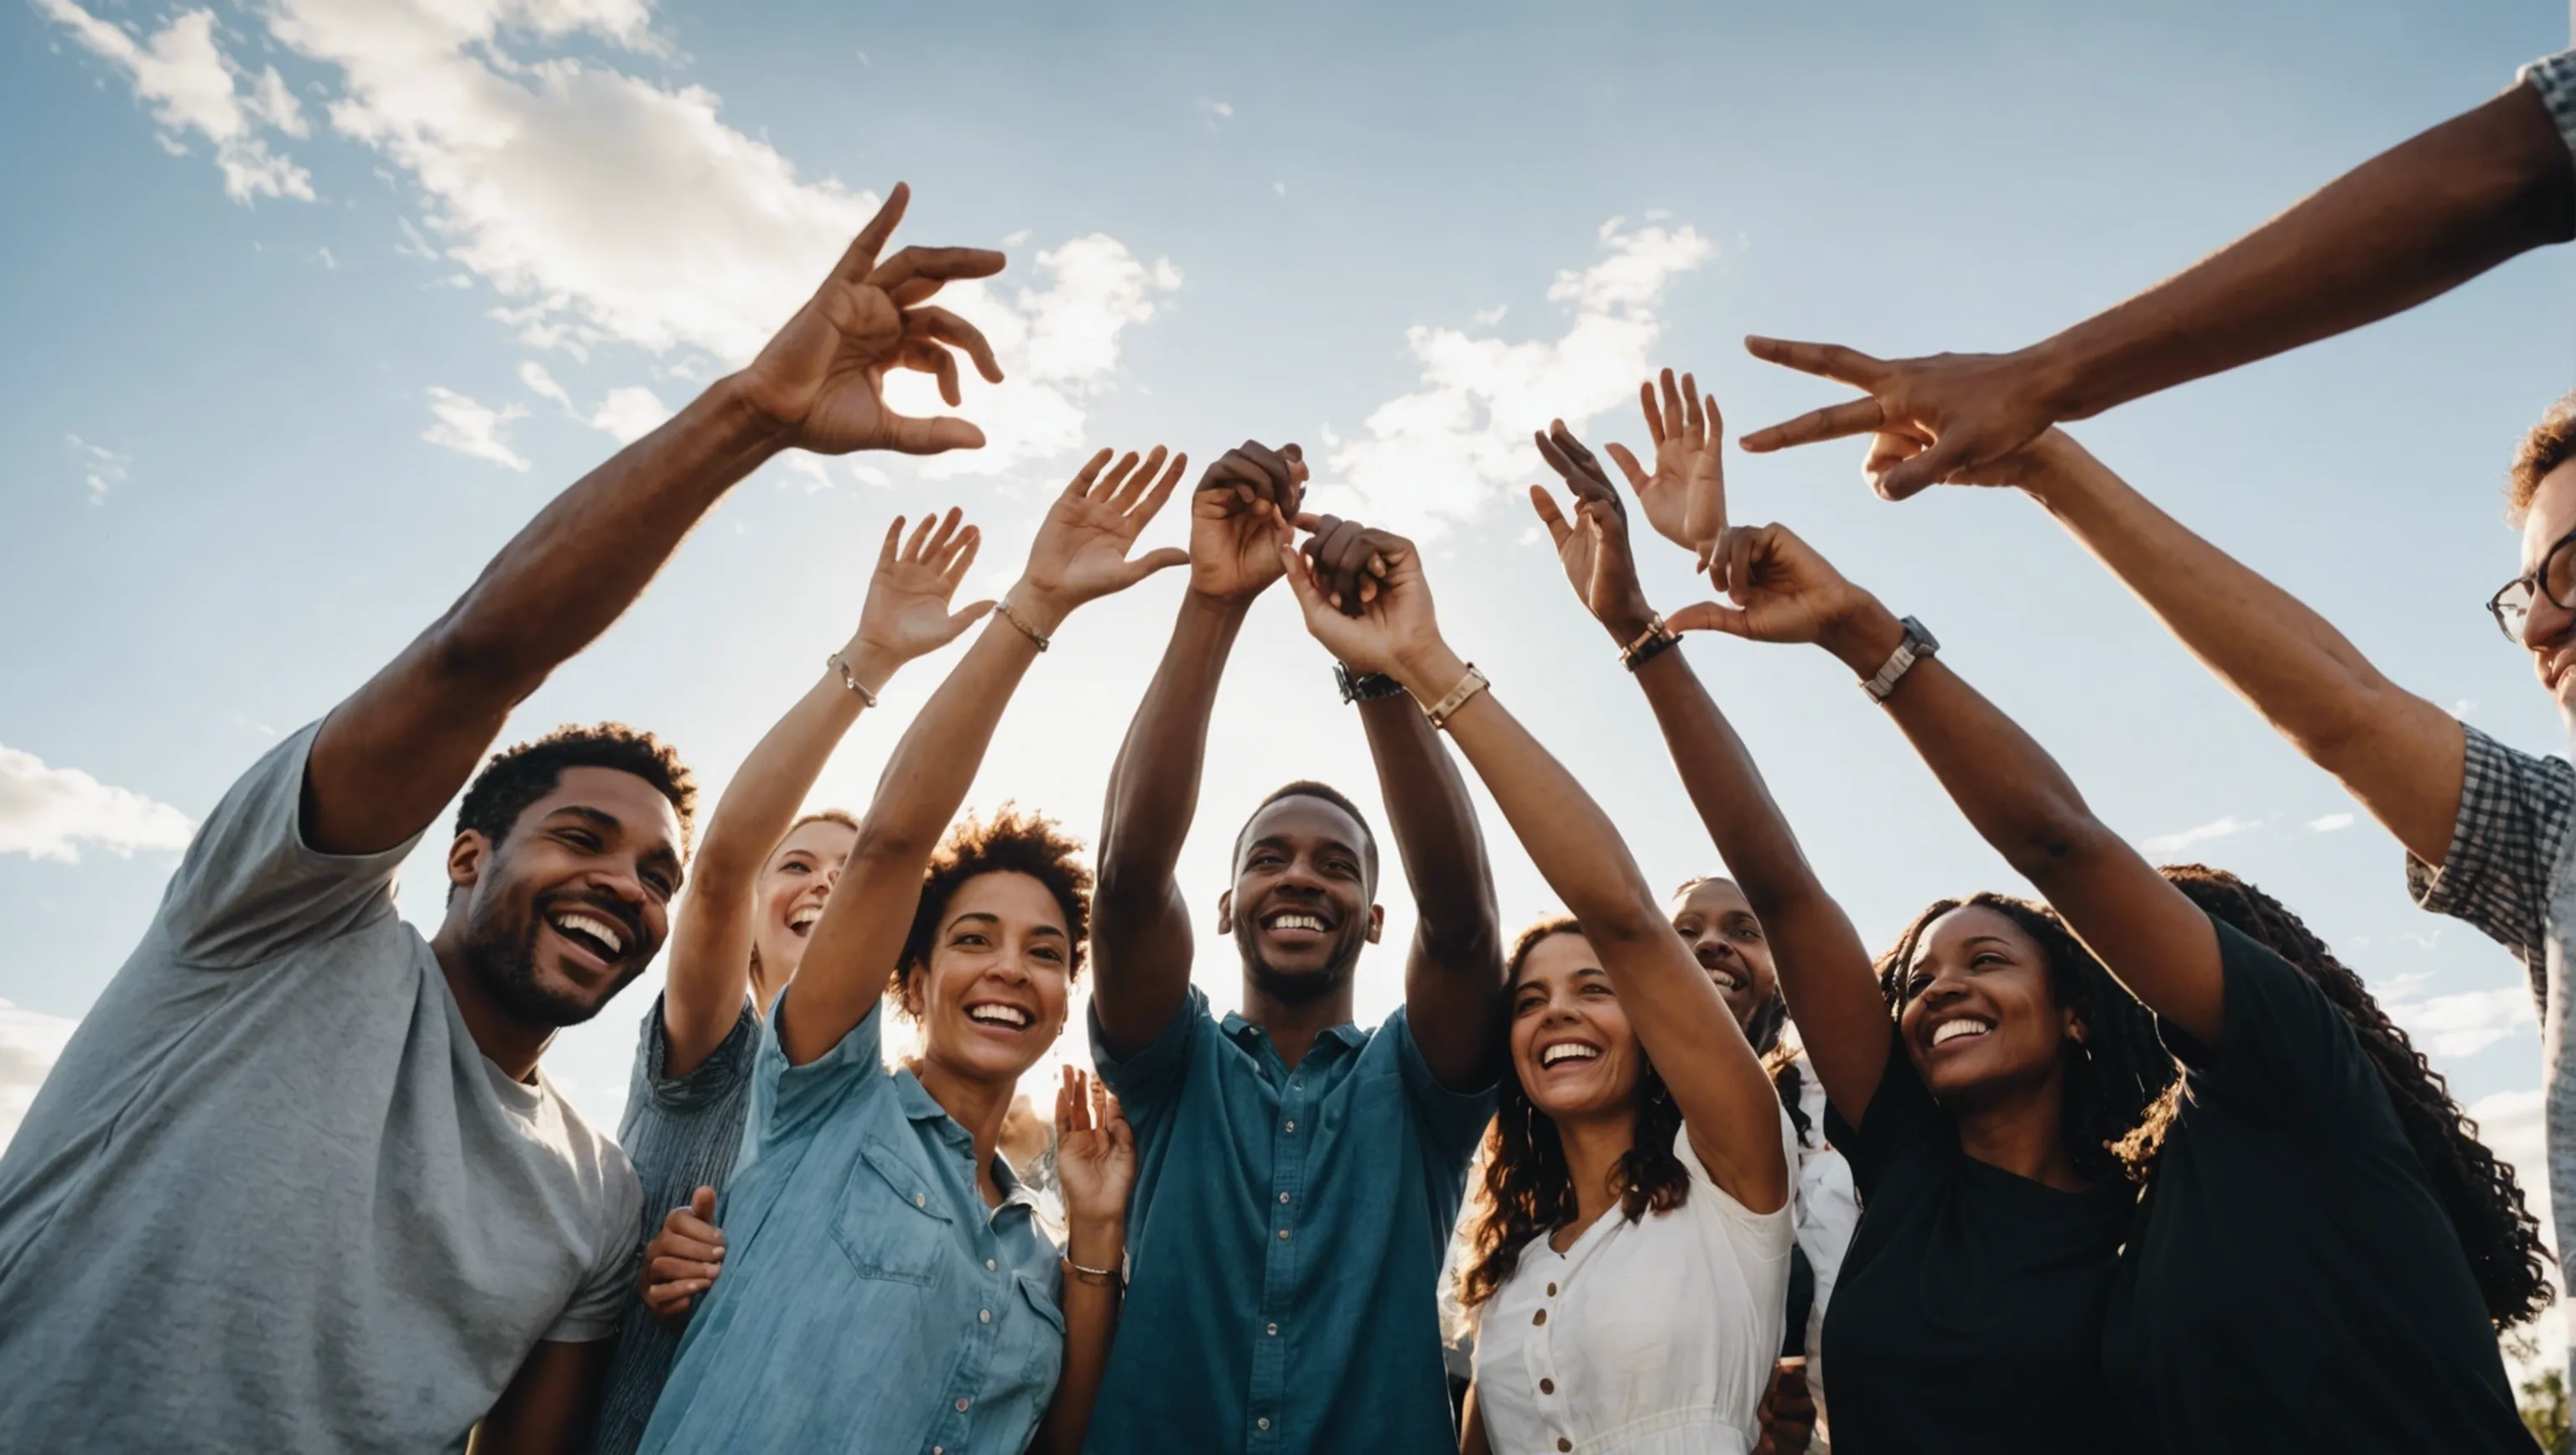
(2293, 1283)
(1968, 1314)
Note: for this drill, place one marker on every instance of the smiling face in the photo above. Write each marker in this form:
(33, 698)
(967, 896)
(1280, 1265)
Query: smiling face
(789, 895)
(1572, 1046)
(992, 998)
(2549, 632)
(1299, 910)
(1714, 919)
(1982, 1018)
(574, 901)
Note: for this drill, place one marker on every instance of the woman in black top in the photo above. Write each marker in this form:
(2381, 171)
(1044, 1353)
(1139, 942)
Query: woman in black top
(2295, 1278)
(1968, 1311)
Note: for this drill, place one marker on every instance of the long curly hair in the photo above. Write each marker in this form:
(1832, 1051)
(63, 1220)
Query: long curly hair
(1528, 1189)
(2479, 1193)
(2122, 1070)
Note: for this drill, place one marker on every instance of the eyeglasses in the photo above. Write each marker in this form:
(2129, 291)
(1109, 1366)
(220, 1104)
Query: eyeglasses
(2556, 579)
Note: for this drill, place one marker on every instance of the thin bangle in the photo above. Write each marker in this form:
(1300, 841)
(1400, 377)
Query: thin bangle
(1028, 628)
(850, 679)
(1099, 1277)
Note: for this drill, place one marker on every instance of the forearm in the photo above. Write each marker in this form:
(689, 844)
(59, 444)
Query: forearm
(2406, 225)
(1436, 835)
(1090, 1306)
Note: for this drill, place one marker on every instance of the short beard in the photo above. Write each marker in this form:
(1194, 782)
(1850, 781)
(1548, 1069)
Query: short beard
(1295, 987)
(502, 958)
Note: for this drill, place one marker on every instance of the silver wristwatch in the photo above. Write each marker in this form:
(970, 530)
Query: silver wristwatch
(1917, 645)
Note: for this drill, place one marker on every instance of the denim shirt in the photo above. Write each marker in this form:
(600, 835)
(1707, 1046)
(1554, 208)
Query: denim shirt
(870, 1303)
(1284, 1242)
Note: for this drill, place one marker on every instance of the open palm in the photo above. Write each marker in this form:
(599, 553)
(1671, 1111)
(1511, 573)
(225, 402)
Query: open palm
(1095, 1150)
(1684, 497)
(823, 376)
(907, 610)
(1592, 547)
(1081, 549)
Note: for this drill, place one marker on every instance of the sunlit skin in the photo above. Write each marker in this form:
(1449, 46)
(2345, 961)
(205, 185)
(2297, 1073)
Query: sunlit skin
(1563, 998)
(789, 895)
(1976, 966)
(1716, 921)
(1302, 857)
(605, 844)
(2549, 632)
(1002, 942)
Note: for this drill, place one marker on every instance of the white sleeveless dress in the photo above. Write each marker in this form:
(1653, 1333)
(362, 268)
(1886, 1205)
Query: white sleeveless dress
(1649, 1338)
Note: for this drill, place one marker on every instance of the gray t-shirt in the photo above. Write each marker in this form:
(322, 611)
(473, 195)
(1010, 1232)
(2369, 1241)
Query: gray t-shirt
(273, 1197)
(684, 1133)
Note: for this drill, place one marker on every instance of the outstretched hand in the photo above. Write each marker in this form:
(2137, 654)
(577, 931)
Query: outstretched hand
(1080, 553)
(1239, 517)
(1593, 547)
(1095, 1150)
(1685, 497)
(1782, 590)
(822, 378)
(1961, 411)
(907, 611)
(1393, 622)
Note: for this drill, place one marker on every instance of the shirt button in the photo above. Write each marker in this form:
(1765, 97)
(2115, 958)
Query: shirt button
(1551, 1290)
(1274, 1331)
(1547, 1386)
(961, 1405)
(1283, 1198)
(920, 1201)
(1540, 1317)
(1563, 1443)
(1283, 1235)
(1292, 1124)
(983, 1316)
(989, 1265)
(1263, 1422)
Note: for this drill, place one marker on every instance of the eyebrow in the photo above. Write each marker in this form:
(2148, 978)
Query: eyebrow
(1274, 841)
(982, 917)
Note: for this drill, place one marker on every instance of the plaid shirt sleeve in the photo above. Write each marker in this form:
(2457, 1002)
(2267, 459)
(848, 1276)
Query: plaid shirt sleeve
(2515, 814)
(2554, 77)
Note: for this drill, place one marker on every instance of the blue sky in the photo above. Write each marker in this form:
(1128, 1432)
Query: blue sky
(287, 359)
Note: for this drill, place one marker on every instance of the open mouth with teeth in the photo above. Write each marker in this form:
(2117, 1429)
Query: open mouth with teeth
(1296, 922)
(595, 935)
(801, 923)
(1727, 973)
(1960, 1028)
(1000, 1016)
(1567, 1053)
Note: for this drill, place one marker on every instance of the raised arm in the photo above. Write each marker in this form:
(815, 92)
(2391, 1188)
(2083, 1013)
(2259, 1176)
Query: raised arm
(1726, 1099)
(2396, 752)
(1080, 554)
(2409, 224)
(1140, 924)
(2019, 800)
(392, 755)
(1096, 1161)
(1453, 975)
(906, 615)
(1824, 969)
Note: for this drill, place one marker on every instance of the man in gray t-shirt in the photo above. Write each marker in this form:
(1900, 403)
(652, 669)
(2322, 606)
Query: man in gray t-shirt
(297, 1183)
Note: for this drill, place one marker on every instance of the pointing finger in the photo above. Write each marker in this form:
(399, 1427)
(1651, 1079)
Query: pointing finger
(1830, 361)
(861, 256)
(1855, 417)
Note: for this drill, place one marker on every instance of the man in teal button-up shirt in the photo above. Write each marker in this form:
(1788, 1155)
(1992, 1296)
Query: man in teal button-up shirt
(1297, 1176)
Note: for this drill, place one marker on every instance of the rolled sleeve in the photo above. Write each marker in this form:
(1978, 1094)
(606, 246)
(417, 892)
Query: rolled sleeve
(1455, 1119)
(1146, 1081)
(2514, 816)
(2554, 78)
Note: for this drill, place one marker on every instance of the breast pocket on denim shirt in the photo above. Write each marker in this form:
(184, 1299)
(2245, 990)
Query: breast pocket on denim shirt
(890, 1221)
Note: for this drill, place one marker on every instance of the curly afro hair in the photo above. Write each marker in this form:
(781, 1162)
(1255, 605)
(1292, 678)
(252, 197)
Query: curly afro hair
(1010, 842)
(518, 776)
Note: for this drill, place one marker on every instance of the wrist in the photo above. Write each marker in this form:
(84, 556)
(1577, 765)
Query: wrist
(872, 665)
(2056, 371)
(1628, 621)
(1230, 609)
(1428, 671)
(1096, 1242)
(1041, 608)
(746, 421)
(1863, 635)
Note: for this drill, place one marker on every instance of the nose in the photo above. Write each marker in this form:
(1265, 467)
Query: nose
(1945, 988)
(831, 876)
(2545, 624)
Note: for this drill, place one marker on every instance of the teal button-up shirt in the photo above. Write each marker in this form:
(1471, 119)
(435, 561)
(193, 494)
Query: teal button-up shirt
(1284, 1243)
(871, 1304)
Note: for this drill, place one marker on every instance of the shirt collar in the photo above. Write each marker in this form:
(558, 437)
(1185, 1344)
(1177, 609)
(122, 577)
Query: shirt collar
(1247, 1035)
(921, 1107)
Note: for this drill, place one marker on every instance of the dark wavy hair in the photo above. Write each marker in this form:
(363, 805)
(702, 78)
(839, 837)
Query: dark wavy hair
(1528, 1189)
(518, 776)
(1008, 842)
(2121, 1072)
(2479, 1193)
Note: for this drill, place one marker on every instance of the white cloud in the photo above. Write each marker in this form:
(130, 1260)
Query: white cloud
(472, 429)
(192, 86)
(1442, 452)
(101, 468)
(1215, 110)
(2200, 834)
(630, 413)
(2462, 708)
(2466, 1023)
(542, 384)
(30, 1043)
(2333, 823)
(47, 813)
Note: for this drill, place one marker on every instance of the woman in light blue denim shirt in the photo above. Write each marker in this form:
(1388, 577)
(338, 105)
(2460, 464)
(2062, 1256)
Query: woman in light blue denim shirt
(872, 1225)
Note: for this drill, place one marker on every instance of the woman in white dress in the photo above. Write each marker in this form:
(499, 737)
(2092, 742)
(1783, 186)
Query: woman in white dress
(1635, 1264)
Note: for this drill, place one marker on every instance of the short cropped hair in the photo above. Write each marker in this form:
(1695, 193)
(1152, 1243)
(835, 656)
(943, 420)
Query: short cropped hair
(519, 776)
(2548, 445)
(1309, 788)
(1008, 842)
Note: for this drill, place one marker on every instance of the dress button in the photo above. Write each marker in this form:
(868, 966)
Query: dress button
(1283, 1198)
(989, 1265)
(983, 1316)
(938, 1450)
(1551, 1290)
(1540, 1317)
(1274, 1331)
(1563, 1443)
(1547, 1386)
(961, 1405)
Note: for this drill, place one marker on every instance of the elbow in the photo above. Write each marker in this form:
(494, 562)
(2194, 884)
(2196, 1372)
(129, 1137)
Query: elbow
(2046, 852)
(1632, 918)
(885, 845)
